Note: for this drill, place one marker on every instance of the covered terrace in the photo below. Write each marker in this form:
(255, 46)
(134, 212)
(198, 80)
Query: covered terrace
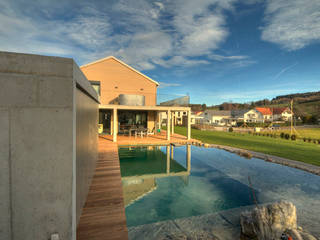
(147, 115)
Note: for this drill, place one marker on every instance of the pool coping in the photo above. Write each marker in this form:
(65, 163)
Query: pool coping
(267, 157)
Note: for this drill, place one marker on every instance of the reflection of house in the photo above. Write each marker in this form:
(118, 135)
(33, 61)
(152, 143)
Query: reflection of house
(141, 166)
(283, 114)
(128, 98)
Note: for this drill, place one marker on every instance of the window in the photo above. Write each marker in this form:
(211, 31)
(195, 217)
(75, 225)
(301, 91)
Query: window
(96, 86)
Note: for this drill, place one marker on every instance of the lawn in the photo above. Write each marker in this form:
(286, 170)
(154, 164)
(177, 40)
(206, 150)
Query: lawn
(295, 150)
(313, 133)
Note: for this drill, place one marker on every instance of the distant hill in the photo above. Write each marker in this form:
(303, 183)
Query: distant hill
(305, 104)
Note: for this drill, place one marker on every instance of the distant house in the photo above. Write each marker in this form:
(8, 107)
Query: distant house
(283, 114)
(220, 118)
(253, 116)
(238, 115)
(266, 112)
(196, 117)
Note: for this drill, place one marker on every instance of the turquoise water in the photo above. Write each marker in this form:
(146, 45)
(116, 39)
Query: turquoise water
(159, 188)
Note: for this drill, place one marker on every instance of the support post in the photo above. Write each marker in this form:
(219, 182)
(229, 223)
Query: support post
(189, 126)
(111, 123)
(172, 123)
(168, 124)
(159, 120)
(115, 124)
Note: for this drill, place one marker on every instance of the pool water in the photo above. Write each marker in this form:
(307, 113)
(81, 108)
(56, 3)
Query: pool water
(163, 183)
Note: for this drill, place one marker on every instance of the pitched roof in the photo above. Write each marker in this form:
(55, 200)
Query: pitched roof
(264, 111)
(126, 65)
(219, 113)
(280, 110)
(238, 113)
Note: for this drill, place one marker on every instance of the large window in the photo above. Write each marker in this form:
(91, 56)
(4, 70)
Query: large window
(132, 118)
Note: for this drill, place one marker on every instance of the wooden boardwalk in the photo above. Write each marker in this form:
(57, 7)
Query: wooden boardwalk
(103, 216)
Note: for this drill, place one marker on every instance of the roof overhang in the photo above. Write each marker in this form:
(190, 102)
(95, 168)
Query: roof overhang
(145, 108)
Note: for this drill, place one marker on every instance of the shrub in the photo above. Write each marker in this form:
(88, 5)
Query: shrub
(318, 141)
(293, 137)
(287, 136)
(230, 129)
(282, 135)
(314, 141)
(304, 139)
(267, 134)
(309, 140)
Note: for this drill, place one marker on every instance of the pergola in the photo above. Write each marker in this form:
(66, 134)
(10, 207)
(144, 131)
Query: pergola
(168, 109)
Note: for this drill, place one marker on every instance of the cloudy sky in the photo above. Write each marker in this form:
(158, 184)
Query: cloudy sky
(213, 50)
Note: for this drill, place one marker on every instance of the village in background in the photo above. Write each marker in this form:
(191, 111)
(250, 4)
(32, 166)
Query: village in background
(301, 108)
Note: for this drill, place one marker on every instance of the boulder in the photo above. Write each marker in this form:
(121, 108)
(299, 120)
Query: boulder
(270, 221)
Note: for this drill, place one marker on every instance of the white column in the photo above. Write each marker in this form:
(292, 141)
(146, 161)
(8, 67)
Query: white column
(168, 124)
(172, 123)
(189, 126)
(115, 125)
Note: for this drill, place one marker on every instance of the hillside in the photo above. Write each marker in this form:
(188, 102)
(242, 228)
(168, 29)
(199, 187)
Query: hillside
(306, 105)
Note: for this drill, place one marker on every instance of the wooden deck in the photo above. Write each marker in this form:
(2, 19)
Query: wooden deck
(157, 139)
(103, 216)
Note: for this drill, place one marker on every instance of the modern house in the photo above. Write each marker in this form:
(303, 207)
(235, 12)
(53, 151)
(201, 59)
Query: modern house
(128, 98)
(266, 113)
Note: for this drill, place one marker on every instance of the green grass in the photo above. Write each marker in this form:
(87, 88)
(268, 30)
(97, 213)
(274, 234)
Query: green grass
(313, 133)
(295, 150)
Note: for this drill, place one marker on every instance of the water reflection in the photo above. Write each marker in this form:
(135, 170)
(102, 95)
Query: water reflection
(141, 166)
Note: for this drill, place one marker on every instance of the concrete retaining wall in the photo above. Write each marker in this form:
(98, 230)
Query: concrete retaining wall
(42, 99)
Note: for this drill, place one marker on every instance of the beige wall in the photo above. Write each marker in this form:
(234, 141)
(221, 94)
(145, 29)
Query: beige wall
(117, 79)
(152, 117)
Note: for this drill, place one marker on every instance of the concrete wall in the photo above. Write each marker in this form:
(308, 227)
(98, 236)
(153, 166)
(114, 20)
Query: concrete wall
(37, 146)
(87, 146)
(116, 79)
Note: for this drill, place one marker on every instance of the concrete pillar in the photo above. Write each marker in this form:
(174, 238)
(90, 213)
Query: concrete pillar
(115, 125)
(168, 159)
(188, 157)
(172, 122)
(168, 124)
(189, 126)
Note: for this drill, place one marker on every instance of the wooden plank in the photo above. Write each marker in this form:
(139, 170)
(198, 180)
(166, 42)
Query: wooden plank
(103, 216)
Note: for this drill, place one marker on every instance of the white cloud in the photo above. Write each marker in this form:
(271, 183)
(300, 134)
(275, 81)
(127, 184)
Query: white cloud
(292, 24)
(134, 31)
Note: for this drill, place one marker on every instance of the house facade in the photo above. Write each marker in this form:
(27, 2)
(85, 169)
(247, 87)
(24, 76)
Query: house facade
(219, 118)
(128, 98)
(282, 114)
(253, 116)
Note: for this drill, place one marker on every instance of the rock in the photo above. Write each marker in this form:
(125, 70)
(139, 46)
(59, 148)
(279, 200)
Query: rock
(268, 222)
(271, 221)
(206, 145)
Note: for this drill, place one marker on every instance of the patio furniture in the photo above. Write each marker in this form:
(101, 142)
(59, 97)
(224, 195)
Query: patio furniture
(142, 131)
(150, 132)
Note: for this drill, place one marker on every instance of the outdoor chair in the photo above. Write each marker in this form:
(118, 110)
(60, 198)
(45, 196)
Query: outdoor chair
(150, 132)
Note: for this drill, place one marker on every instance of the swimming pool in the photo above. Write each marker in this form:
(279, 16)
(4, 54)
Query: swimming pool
(163, 183)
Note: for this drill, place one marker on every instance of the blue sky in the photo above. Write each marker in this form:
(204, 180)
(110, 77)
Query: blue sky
(213, 50)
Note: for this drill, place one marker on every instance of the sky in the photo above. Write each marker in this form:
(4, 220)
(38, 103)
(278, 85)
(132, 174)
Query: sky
(215, 51)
